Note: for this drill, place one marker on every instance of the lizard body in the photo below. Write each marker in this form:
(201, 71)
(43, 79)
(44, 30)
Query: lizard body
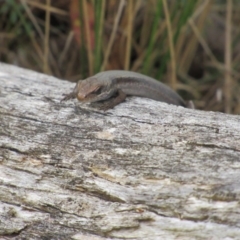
(104, 86)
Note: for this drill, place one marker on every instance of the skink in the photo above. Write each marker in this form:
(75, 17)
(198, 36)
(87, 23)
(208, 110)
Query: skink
(112, 87)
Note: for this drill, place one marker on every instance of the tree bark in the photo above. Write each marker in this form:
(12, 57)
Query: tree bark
(144, 170)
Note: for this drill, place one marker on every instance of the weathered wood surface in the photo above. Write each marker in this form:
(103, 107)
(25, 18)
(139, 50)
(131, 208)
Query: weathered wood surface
(144, 170)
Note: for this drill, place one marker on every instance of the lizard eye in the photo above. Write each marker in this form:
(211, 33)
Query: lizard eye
(98, 91)
(93, 93)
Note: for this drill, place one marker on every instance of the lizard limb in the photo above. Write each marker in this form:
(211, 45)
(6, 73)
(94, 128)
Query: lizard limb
(110, 102)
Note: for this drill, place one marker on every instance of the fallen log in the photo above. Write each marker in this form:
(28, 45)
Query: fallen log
(143, 170)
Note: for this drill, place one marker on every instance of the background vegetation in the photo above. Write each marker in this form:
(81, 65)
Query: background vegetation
(191, 45)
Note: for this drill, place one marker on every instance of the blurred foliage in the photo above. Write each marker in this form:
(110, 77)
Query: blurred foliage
(187, 44)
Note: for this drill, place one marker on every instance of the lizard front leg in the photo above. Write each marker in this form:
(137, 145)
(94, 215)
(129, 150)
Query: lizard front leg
(111, 102)
(106, 93)
(71, 95)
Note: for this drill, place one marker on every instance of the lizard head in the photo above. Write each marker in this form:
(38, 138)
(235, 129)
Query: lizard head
(87, 89)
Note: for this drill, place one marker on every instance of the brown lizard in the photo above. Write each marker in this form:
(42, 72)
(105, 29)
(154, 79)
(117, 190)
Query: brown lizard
(112, 87)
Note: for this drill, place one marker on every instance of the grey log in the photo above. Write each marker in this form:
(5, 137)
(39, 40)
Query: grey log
(144, 170)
